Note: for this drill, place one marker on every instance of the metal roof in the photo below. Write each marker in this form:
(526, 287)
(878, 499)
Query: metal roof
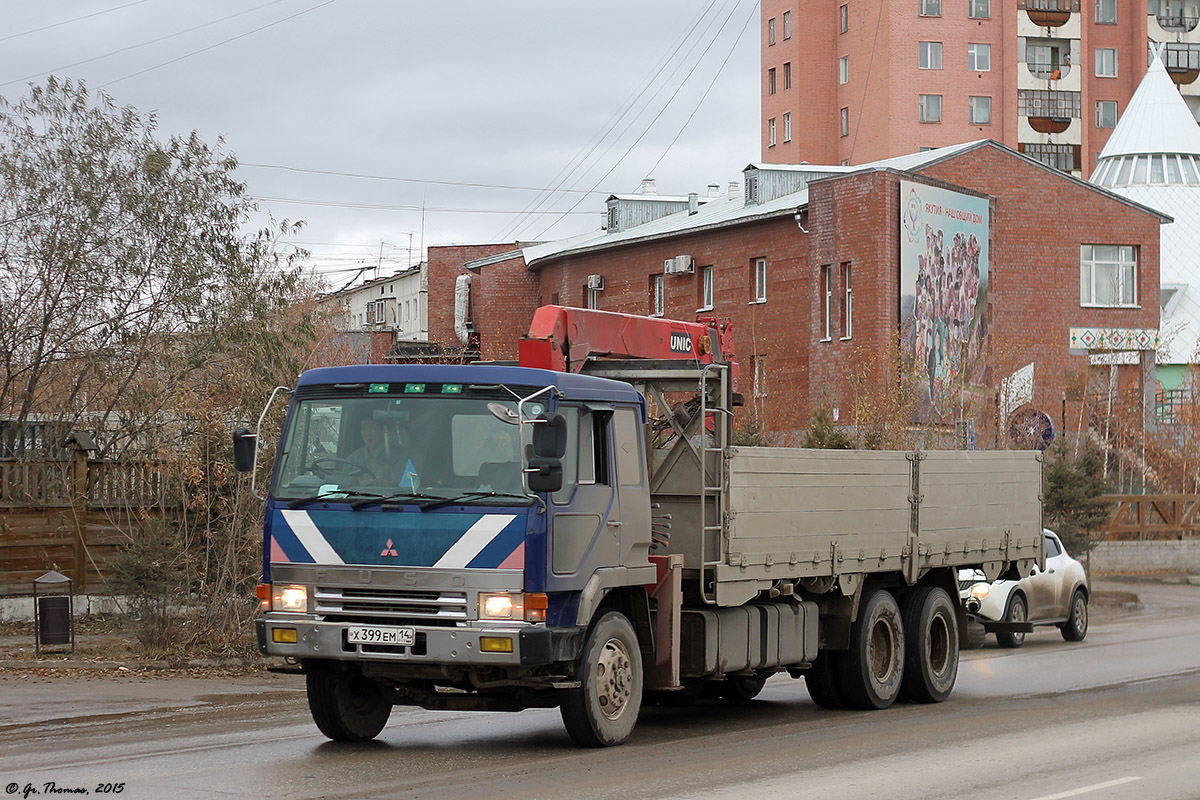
(1157, 119)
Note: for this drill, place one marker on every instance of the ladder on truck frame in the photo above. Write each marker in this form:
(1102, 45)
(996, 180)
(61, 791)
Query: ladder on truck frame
(713, 383)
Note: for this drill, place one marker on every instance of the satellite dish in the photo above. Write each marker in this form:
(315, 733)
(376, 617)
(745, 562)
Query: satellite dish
(1030, 428)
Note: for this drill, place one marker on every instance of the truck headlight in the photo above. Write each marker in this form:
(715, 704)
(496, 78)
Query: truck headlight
(528, 607)
(290, 598)
(980, 591)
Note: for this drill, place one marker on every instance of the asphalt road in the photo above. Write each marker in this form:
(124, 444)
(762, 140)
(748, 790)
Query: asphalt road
(1117, 716)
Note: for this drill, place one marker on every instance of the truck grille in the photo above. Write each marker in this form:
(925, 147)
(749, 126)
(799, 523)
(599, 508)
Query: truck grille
(390, 606)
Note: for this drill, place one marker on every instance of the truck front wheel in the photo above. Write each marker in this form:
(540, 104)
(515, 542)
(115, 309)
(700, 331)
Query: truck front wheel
(871, 670)
(347, 707)
(603, 709)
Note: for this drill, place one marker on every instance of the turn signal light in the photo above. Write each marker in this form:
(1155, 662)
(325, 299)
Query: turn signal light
(495, 644)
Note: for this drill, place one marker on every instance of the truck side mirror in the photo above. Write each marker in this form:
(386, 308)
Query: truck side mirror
(550, 436)
(544, 474)
(244, 444)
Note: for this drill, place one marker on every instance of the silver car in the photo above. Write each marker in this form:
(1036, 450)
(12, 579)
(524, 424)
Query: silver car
(1057, 595)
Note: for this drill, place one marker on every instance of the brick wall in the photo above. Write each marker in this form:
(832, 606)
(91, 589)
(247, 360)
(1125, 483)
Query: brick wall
(445, 265)
(1117, 558)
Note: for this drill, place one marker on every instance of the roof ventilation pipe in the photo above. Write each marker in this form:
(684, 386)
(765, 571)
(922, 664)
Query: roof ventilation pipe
(735, 189)
(714, 190)
(649, 186)
(693, 203)
(462, 307)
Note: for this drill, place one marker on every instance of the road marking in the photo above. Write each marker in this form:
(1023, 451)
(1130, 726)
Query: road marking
(1093, 788)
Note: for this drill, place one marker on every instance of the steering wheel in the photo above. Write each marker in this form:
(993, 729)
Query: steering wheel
(327, 465)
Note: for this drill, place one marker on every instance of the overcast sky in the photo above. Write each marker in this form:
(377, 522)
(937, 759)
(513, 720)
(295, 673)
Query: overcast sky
(530, 94)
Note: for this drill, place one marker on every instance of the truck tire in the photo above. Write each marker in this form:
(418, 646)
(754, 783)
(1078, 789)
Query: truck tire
(742, 688)
(603, 709)
(821, 680)
(870, 672)
(930, 645)
(347, 708)
(1075, 628)
(1017, 611)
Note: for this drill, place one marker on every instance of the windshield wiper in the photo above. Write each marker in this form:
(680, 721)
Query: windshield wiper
(444, 501)
(388, 498)
(339, 493)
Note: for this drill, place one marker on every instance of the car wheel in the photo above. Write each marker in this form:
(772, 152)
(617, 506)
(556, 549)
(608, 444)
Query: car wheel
(1017, 612)
(742, 688)
(976, 636)
(1075, 628)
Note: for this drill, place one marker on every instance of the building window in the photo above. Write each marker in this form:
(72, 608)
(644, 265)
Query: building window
(845, 121)
(706, 289)
(771, 81)
(787, 75)
(593, 297)
(771, 31)
(760, 376)
(771, 132)
(1106, 62)
(981, 110)
(1107, 275)
(847, 303)
(931, 8)
(845, 18)
(930, 107)
(979, 9)
(1106, 113)
(826, 300)
(979, 57)
(787, 126)
(929, 55)
(787, 25)
(1045, 103)
(844, 69)
(658, 295)
(760, 280)
(1106, 12)
(1059, 156)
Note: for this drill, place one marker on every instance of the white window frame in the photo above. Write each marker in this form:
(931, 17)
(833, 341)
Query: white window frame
(771, 81)
(770, 31)
(787, 75)
(976, 104)
(787, 126)
(706, 289)
(787, 25)
(660, 296)
(826, 302)
(979, 9)
(844, 69)
(848, 300)
(979, 57)
(771, 132)
(1117, 265)
(925, 112)
(1106, 62)
(844, 20)
(845, 120)
(1102, 107)
(760, 280)
(592, 298)
(930, 8)
(1106, 16)
(929, 55)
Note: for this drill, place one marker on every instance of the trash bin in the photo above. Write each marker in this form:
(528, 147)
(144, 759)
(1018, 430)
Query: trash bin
(53, 614)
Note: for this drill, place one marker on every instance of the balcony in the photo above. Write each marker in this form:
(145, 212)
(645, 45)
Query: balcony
(1048, 111)
(1179, 22)
(1049, 13)
(1182, 61)
(1049, 70)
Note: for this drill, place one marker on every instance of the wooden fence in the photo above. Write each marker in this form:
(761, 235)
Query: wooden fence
(1144, 517)
(70, 515)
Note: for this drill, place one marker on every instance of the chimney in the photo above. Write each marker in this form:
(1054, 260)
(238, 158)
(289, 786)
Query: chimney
(693, 203)
(649, 186)
(714, 190)
(735, 189)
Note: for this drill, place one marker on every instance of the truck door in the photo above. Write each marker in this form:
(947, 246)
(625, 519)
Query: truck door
(584, 514)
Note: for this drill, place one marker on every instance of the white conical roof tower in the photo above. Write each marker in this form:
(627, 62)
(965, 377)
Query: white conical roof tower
(1153, 158)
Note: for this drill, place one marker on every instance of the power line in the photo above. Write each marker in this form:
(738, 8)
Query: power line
(380, 207)
(136, 46)
(69, 21)
(220, 43)
(401, 180)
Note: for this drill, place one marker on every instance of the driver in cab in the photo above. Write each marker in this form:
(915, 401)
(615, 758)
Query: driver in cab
(378, 458)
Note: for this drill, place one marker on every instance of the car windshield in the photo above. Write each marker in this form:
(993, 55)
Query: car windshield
(429, 446)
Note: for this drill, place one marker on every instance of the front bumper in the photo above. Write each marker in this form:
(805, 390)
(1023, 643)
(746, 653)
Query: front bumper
(533, 645)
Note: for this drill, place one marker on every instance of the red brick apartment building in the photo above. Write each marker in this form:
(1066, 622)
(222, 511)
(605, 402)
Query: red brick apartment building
(855, 81)
(808, 264)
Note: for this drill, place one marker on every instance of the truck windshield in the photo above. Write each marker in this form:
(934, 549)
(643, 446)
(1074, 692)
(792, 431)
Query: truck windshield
(431, 446)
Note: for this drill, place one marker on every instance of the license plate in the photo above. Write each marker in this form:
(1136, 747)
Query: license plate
(376, 634)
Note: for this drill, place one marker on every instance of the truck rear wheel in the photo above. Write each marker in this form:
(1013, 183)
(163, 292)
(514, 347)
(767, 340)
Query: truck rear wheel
(603, 709)
(821, 680)
(871, 670)
(347, 707)
(742, 688)
(931, 645)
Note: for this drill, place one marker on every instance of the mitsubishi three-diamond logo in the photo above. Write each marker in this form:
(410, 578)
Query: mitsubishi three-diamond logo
(388, 550)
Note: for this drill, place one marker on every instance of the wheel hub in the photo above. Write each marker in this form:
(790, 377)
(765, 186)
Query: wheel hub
(614, 679)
